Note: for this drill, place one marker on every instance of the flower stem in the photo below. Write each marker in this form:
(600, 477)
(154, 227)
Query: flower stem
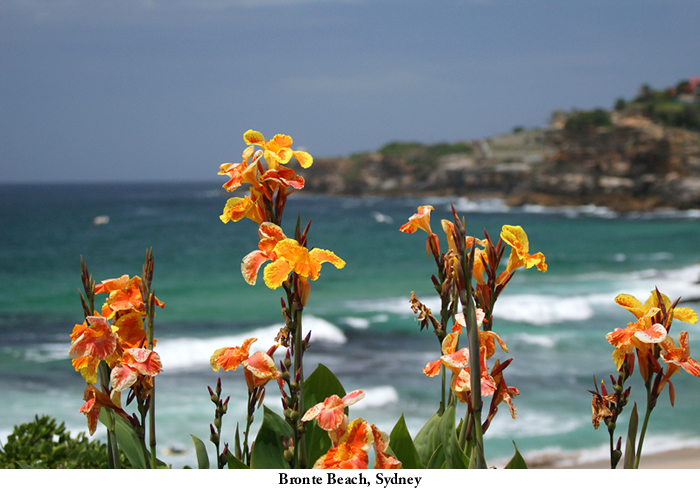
(650, 407)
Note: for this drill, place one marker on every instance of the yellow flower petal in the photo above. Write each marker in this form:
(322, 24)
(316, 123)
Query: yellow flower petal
(686, 315)
(304, 159)
(254, 138)
(276, 273)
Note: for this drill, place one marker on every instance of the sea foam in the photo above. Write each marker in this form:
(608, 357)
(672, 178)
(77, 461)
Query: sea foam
(189, 352)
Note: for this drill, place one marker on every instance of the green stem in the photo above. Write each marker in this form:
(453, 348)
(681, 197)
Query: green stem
(152, 405)
(249, 421)
(638, 456)
(300, 446)
(442, 398)
(113, 449)
(475, 371)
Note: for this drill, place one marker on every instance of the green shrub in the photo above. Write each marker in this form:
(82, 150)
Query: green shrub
(583, 120)
(43, 444)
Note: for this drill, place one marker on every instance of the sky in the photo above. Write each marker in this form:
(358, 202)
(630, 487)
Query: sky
(163, 90)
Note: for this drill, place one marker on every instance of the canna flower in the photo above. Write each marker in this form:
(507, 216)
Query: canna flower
(94, 338)
(504, 393)
(487, 340)
(229, 358)
(461, 383)
(519, 256)
(133, 363)
(452, 359)
(330, 413)
(421, 220)
(238, 208)
(278, 149)
(351, 450)
(678, 357)
(95, 400)
(286, 256)
(639, 310)
(129, 328)
(124, 296)
(259, 370)
(636, 335)
(241, 172)
(382, 460)
(647, 329)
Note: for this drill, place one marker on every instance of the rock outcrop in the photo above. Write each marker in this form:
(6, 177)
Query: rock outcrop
(631, 165)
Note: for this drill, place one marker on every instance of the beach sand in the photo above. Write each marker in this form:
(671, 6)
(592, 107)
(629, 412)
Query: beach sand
(688, 458)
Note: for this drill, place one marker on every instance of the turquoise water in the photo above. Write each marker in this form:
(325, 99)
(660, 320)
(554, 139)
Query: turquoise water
(362, 326)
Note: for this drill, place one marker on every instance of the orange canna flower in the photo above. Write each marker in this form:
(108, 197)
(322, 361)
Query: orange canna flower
(461, 383)
(241, 172)
(382, 460)
(505, 393)
(229, 358)
(639, 310)
(678, 357)
(238, 208)
(519, 256)
(124, 295)
(129, 328)
(330, 413)
(486, 339)
(278, 150)
(421, 220)
(94, 401)
(133, 363)
(454, 360)
(259, 370)
(351, 451)
(286, 255)
(96, 340)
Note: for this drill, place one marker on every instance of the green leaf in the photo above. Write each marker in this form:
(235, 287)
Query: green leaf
(268, 451)
(320, 384)
(24, 466)
(516, 462)
(437, 459)
(201, 451)
(454, 456)
(631, 436)
(401, 444)
(428, 439)
(234, 463)
(130, 443)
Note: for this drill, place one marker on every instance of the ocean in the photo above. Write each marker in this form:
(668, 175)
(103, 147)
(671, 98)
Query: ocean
(363, 329)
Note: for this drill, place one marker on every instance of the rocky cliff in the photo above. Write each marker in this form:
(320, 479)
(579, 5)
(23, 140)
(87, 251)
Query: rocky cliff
(631, 164)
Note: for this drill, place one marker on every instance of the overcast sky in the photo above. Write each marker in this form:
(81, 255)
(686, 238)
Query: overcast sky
(164, 89)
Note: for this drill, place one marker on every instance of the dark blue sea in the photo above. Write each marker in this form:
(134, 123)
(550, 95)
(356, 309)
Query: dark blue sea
(554, 324)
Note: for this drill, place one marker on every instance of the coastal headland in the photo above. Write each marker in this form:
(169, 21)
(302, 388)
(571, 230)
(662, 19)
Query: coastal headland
(632, 158)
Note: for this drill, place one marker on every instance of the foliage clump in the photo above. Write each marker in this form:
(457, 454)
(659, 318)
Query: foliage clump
(43, 443)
